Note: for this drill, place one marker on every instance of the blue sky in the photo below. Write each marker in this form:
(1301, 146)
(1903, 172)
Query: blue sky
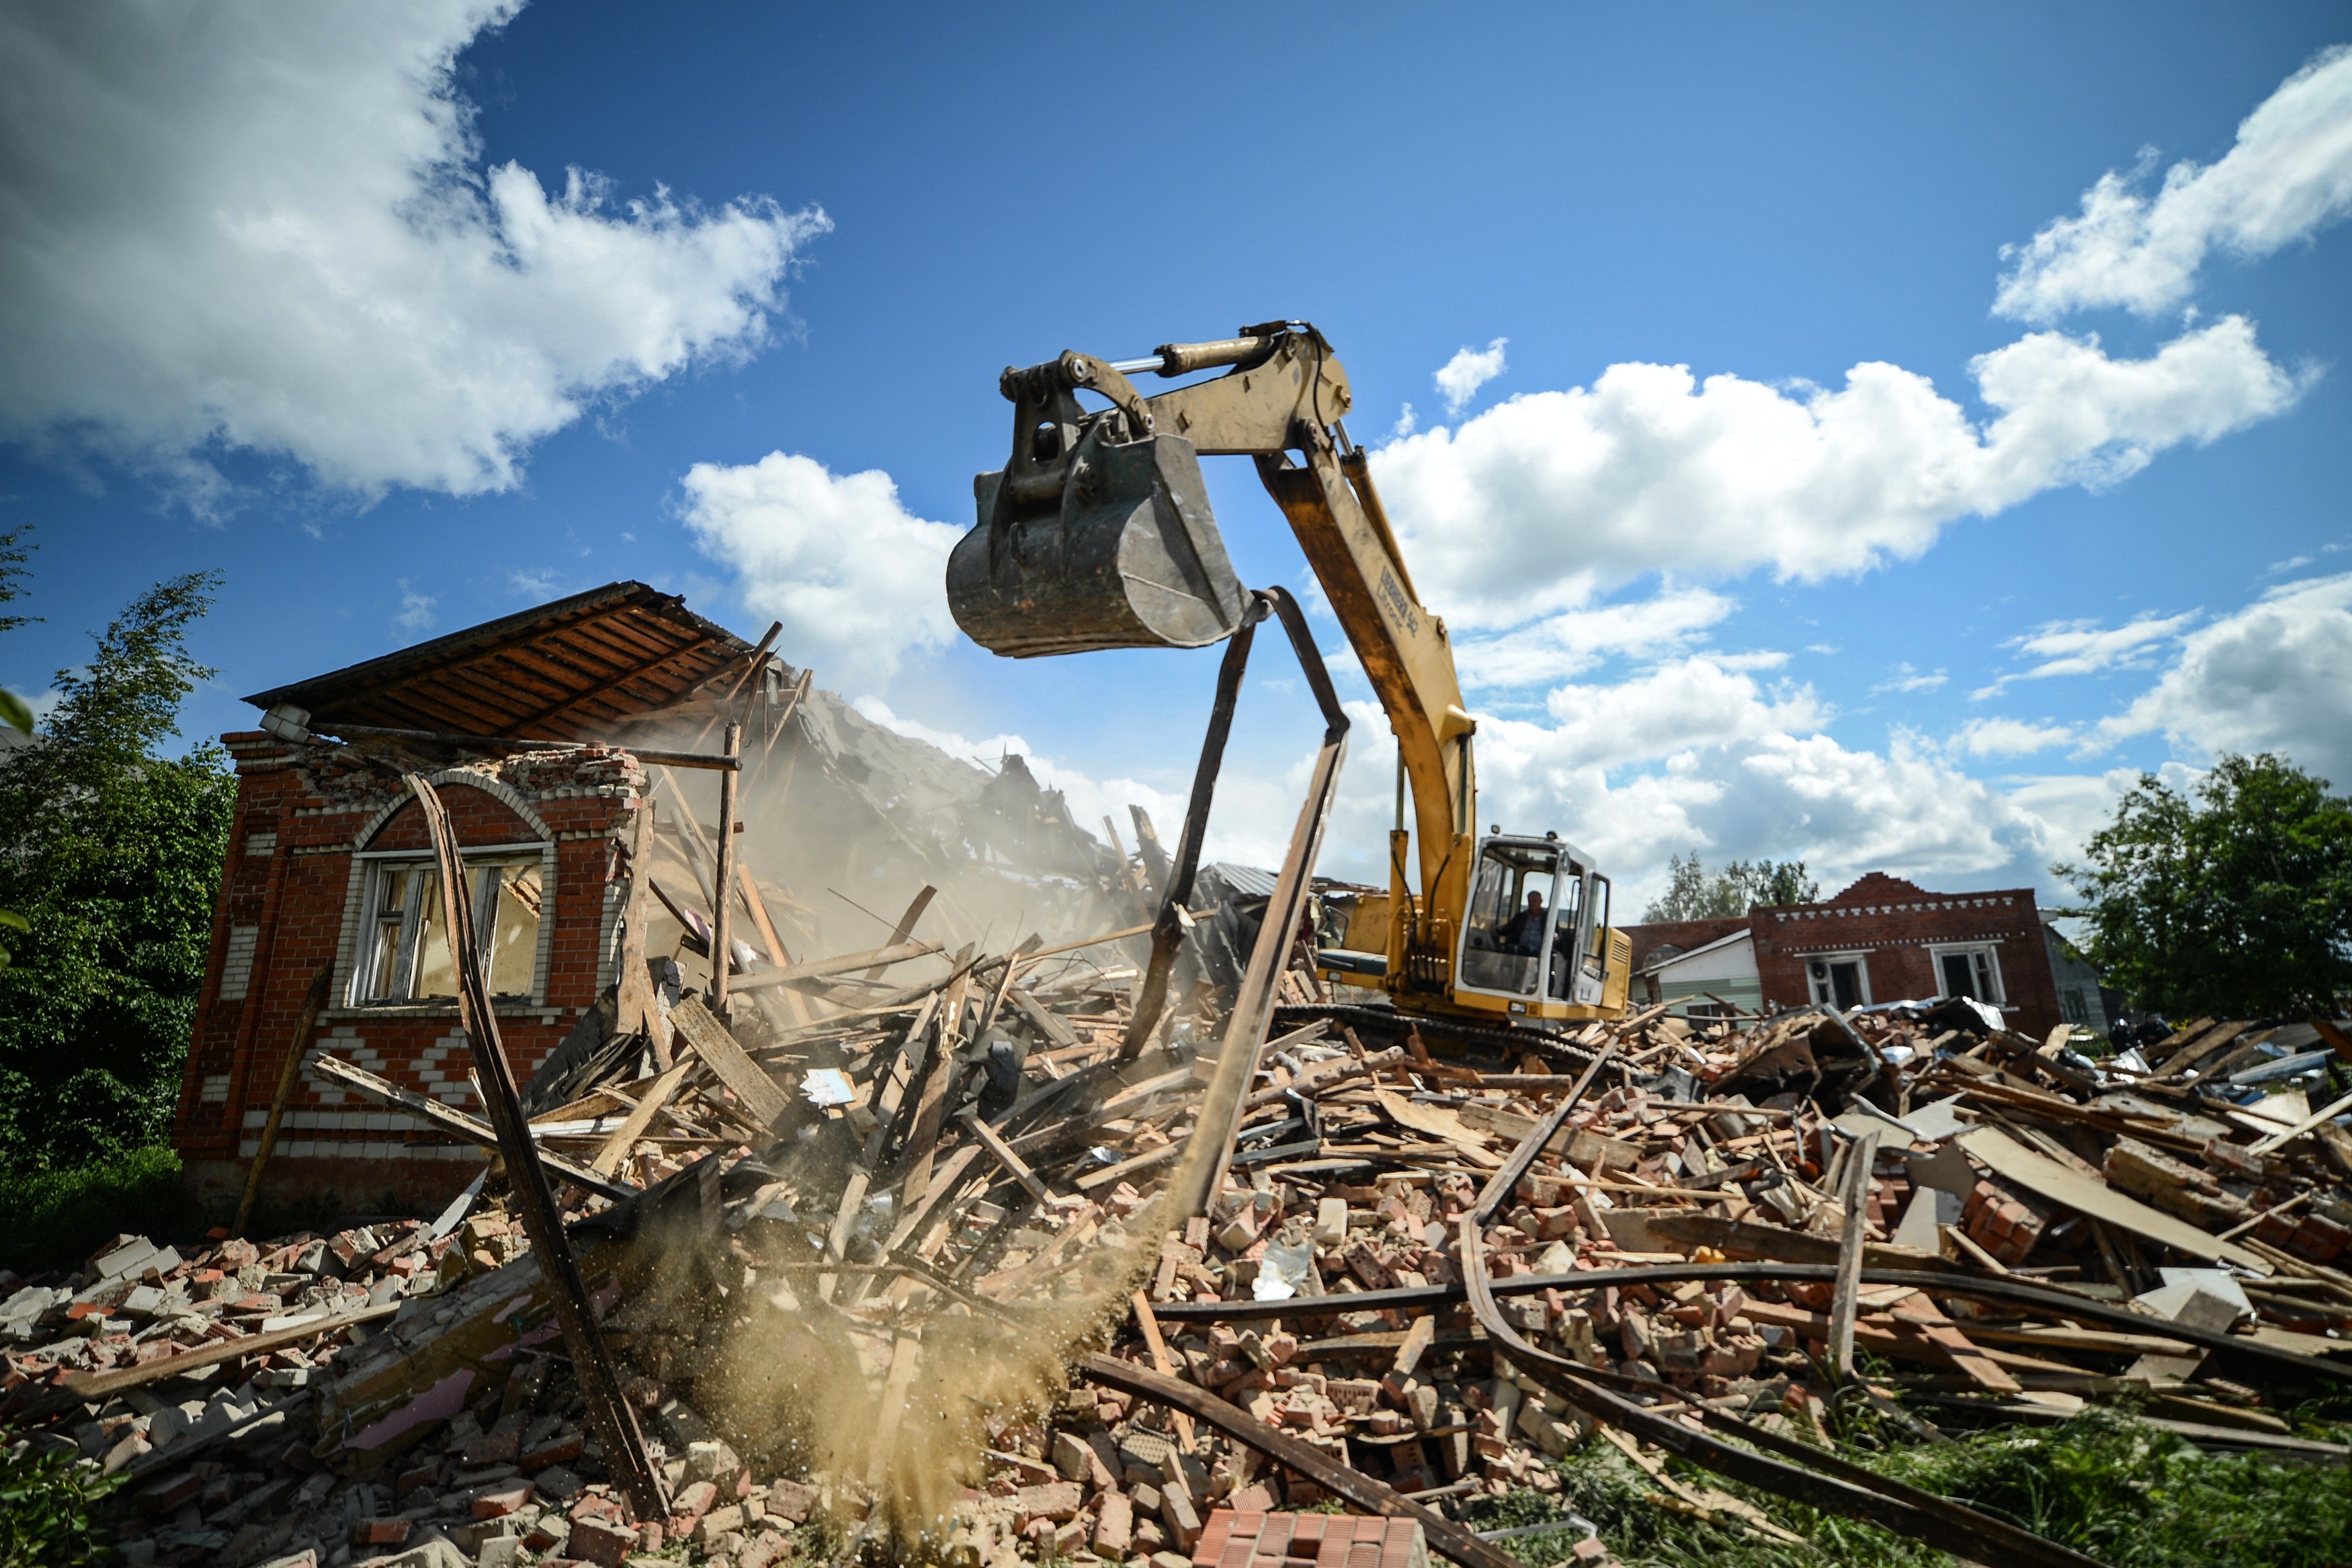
(406, 317)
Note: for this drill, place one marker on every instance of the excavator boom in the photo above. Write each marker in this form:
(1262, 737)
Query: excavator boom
(1097, 533)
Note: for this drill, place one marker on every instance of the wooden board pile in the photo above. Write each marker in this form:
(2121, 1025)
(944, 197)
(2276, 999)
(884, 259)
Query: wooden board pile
(1421, 1278)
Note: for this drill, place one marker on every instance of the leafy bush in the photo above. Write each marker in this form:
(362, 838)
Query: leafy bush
(46, 1504)
(58, 1217)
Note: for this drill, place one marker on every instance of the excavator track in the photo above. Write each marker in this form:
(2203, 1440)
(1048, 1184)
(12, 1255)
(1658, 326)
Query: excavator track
(1390, 1024)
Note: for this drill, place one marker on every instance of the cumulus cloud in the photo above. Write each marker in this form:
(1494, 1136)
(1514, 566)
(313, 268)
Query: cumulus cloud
(2010, 736)
(2288, 176)
(2275, 677)
(2086, 647)
(1649, 469)
(854, 576)
(270, 228)
(1465, 372)
(1573, 641)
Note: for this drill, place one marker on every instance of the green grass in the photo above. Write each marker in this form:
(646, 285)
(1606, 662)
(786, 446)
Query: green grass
(2112, 1489)
(56, 1218)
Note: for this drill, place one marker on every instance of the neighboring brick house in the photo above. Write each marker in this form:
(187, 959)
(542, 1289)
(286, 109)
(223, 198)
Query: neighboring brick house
(1882, 940)
(329, 866)
(1886, 940)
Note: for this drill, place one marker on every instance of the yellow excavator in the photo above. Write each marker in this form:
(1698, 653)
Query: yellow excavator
(1098, 534)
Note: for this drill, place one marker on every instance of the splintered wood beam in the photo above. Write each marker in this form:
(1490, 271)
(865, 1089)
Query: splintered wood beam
(640, 1117)
(877, 958)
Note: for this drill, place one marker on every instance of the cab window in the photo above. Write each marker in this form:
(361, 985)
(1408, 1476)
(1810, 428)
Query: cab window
(1508, 924)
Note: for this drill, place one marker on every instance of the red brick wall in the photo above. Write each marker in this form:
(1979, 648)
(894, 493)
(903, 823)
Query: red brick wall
(310, 806)
(1893, 924)
(1684, 935)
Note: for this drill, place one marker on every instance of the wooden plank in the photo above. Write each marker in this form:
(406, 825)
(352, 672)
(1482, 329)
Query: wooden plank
(1111, 1175)
(2045, 1178)
(91, 1388)
(286, 1077)
(1004, 1156)
(877, 958)
(761, 1097)
(1861, 1156)
(1146, 1320)
(641, 1117)
(638, 1007)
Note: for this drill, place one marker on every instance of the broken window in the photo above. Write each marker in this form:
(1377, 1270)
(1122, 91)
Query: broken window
(405, 951)
(1971, 971)
(1841, 981)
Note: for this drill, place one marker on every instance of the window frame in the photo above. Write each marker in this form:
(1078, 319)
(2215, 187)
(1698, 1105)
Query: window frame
(378, 866)
(1990, 968)
(1861, 962)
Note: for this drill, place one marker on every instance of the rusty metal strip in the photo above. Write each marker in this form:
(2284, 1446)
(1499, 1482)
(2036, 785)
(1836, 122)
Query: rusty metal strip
(1168, 930)
(609, 1415)
(1447, 1539)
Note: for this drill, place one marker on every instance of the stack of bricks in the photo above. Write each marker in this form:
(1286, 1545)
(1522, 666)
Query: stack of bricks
(1247, 1538)
(2005, 1226)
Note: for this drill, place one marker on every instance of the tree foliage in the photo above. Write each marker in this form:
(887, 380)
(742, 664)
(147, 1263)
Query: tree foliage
(2237, 901)
(1692, 894)
(112, 850)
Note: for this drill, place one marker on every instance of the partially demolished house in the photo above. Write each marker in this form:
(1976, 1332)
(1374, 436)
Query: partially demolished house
(536, 729)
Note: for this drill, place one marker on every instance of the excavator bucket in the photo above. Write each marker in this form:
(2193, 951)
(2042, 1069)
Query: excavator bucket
(1115, 548)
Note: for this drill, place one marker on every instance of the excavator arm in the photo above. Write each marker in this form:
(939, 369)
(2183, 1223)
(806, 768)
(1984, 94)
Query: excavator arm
(1280, 402)
(1098, 534)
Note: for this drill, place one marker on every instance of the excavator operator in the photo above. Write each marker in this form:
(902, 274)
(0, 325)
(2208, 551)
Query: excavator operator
(1523, 932)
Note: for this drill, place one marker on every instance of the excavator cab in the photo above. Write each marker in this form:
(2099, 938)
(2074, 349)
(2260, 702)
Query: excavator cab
(1530, 932)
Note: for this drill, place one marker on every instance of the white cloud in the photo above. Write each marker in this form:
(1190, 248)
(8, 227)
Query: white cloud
(1906, 678)
(1467, 371)
(2289, 176)
(537, 583)
(2084, 647)
(1574, 641)
(1649, 469)
(415, 616)
(855, 578)
(1405, 424)
(1693, 702)
(2275, 677)
(2010, 736)
(270, 227)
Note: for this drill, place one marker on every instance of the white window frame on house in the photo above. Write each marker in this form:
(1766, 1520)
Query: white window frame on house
(381, 979)
(1984, 961)
(1825, 988)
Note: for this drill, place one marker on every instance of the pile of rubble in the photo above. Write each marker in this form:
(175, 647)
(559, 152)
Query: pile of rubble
(959, 1267)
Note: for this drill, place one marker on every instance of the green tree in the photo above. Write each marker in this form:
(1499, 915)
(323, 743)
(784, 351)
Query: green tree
(112, 850)
(1692, 894)
(2237, 901)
